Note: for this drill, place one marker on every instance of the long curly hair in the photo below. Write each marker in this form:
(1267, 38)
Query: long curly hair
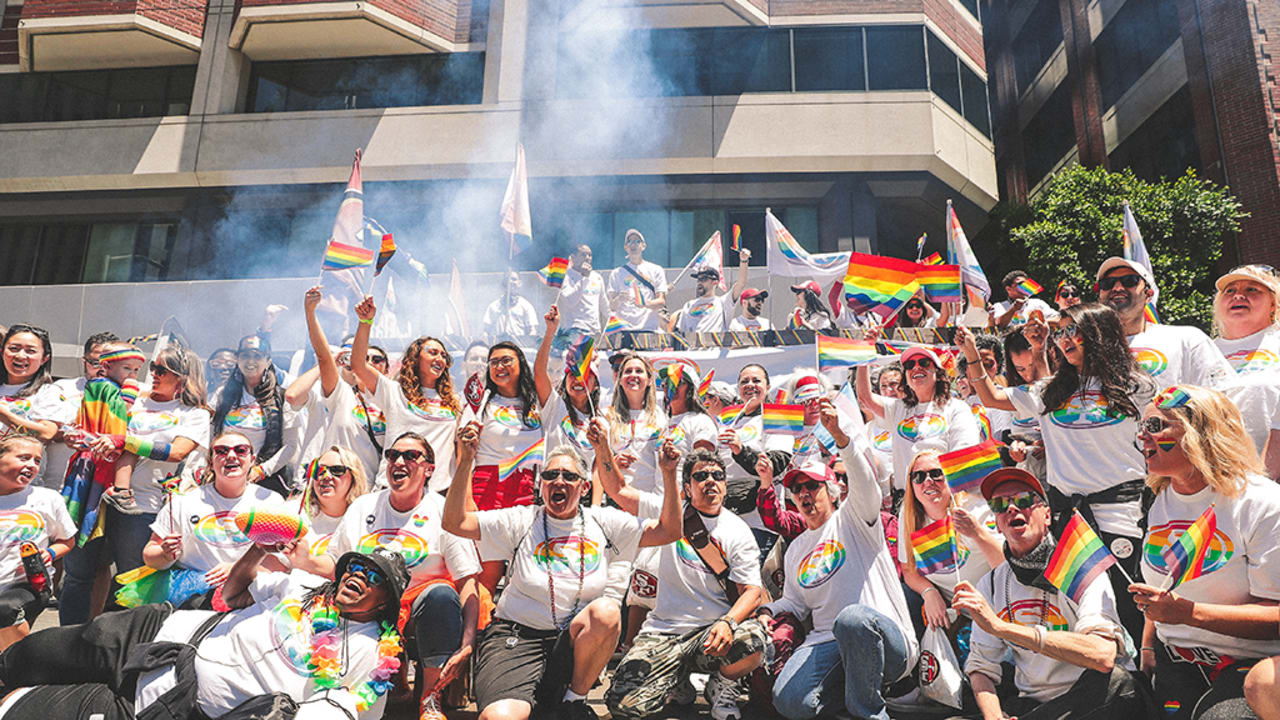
(411, 383)
(526, 389)
(619, 412)
(1107, 358)
(1214, 441)
(44, 373)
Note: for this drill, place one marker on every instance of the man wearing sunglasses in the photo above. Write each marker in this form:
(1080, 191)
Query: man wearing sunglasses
(1071, 659)
(710, 587)
(1020, 305)
(1172, 354)
(191, 664)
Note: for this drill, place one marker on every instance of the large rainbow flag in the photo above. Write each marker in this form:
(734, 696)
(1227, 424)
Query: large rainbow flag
(531, 455)
(1079, 558)
(878, 283)
(104, 411)
(340, 256)
(782, 418)
(935, 547)
(965, 468)
(941, 283)
(837, 353)
(1184, 557)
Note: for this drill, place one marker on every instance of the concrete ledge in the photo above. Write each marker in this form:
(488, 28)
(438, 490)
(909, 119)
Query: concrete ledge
(83, 42)
(332, 29)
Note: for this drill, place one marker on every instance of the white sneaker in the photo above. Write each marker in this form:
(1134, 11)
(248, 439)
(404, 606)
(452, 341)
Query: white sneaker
(722, 694)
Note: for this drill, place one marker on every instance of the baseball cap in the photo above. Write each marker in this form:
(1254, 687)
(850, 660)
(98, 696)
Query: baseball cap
(921, 351)
(632, 232)
(1113, 262)
(389, 562)
(706, 272)
(1254, 273)
(754, 292)
(807, 285)
(999, 477)
(809, 471)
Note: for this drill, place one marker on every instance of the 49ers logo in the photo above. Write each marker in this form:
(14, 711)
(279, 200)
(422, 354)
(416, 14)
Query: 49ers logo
(928, 668)
(644, 584)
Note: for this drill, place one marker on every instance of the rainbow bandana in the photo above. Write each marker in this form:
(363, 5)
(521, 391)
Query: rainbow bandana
(1172, 397)
(808, 389)
(122, 354)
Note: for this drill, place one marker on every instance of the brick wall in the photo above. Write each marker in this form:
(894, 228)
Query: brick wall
(1082, 74)
(9, 34)
(450, 19)
(187, 16)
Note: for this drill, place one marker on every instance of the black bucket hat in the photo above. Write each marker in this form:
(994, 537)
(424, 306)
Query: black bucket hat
(389, 562)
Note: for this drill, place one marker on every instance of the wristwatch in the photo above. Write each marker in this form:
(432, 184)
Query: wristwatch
(733, 624)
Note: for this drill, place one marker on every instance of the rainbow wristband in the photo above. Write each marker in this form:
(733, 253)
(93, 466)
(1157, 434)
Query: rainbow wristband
(144, 448)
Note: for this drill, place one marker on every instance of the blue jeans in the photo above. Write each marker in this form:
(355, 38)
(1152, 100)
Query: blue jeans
(868, 652)
(437, 624)
(123, 539)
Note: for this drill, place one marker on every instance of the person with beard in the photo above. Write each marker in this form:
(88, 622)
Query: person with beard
(1070, 659)
(752, 318)
(1172, 354)
(251, 402)
(292, 645)
(555, 627)
(708, 312)
(58, 454)
(567, 408)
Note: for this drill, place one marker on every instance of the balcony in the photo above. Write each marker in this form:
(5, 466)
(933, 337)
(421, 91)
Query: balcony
(660, 14)
(55, 35)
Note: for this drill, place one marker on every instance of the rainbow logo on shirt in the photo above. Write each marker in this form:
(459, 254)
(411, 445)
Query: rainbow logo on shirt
(508, 417)
(149, 422)
(219, 529)
(820, 564)
(1172, 706)
(1151, 360)
(17, 406)
(748, 433)
(1162, 536)
(1084, 411)
(689, 556)
(19, 526)
(700, 309)
(1028, 612)
(920, 427)
(563, 556)
(882, 441)
(246, 417)
(321, 545)
(1251, 361)
(433, 409)
(410, 545)
(363, 419)
(675, 435)
(290, 635)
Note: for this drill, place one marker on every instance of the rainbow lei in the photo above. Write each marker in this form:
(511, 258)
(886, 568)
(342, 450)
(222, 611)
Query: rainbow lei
(326, 664)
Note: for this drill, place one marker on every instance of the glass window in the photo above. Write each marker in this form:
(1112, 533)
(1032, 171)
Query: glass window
(895, 57)
(944, 73)
(18, 246)
(972, 7)
(802, 222)
(110, 257)
(974, 92)
(397, 81)
(654, 225)
(62, 251)
(1164, 146)
(1135, 38)
(96, 94)
(760, 61)
(829, 59)
(1039, 37)
(1049, 136)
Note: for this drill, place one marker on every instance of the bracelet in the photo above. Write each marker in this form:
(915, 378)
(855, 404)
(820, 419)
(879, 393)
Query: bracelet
(53, 554)
(363, 321)
(928, 590)
(1146, 648)
(983, 376)
(1041, 632)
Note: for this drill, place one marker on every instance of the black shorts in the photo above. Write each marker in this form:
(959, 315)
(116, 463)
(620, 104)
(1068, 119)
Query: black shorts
(20, 604)
(70, 702)
(514, 662)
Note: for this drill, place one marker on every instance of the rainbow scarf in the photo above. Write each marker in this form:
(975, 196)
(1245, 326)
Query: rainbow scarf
(1079, 558)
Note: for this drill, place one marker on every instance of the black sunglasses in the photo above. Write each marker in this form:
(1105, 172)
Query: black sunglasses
(1129, 281)
(1153, 425)
(911, 364)
(920, 476)
(1068, 293)
(373, 359)
(568, 475)
(335, 470)
(371, 573)
(806, 486)
(160, 370)
(701, 475)
(412, 456)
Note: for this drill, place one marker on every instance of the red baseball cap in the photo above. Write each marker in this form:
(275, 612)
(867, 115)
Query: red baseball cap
(808, 285)
(810, 471)
(1006, 475)
(753, 292)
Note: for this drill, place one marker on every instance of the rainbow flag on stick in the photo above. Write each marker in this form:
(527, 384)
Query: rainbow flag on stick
(935, 547)
(965, 468)
(385, 251)
(340, 256)
(941, 283)
(705, 385)
(933, 259)
(781, 418)
(1079, 558)
(578, 356)
(736, 241)
(878, 283)
(1030, 287)
(553, 273)
(614, 325)
(1184, 557)
(729, 415)
(836, 353)
(531, 455)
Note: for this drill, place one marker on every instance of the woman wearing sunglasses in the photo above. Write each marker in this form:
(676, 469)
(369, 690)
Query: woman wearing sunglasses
(168, 434)
(338, 479)
(1067, 295)
(252, 402)
(196, 530)
(567, 407)
(1244, 313)
(917, 313)
(1219, 618)
(1089, 411)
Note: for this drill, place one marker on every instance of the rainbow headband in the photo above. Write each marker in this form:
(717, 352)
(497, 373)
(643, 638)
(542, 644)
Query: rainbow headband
(1172, 397)
(808, 388)
(123, 354)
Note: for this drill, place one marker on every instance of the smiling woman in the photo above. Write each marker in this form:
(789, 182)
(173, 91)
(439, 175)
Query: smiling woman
(1244, 312)
(29, 402)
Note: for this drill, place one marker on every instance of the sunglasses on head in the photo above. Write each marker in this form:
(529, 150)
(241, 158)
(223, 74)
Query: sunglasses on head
(567, 475)
(243, 450)
(1128, 281)
(334, 470)
(920, 476)
(702, 475)
(922, 363)
(1153, 425)
(1024, 500)
(411, 456)
(371, 573)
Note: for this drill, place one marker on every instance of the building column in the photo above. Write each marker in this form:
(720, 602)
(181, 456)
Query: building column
(222, 75)
(504, 58)
(1082, 75)
(863, 207)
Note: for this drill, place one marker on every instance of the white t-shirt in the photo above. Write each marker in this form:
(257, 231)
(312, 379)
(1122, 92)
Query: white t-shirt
(880, 438)
(206, 521)
(32, 514)
(751, 436)
(1179, 355)
(640, 439)
(621, 282)
(1243, 560)
(1021, 316)
(313, 421)
(349, 420)
(1037, 676)
(705, 314)
(503, 434)
(926, 425)
(163, 422)
(582, 302)
(686, 429)
(1255, 388)
(742, 323)
(1253, 354)
(320, 531)
(517, 320)
(53, 470)
(51, 402)
(561, 430)
(247, 418)
(434, 421)
(1087, 452)
(429, 551)
(973, 564)
(550, 558)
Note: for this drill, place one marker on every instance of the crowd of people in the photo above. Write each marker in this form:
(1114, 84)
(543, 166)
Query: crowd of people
(529, 529)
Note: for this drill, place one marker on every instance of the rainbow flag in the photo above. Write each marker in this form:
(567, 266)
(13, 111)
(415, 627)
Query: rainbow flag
(531, 455)
(312, 470)
(882, 284)
(340, 256)
(1172, 397)
(553, 273)
(1030, 287)
(1150, 315)
(984, 421)
(933, 259)
(614, 325)
(578, 356)
(1079, 558)
(965, 468)
(639, 298)
(781, 418)
(920, 241)
(1184, 557)
(935, 547)
(705, 385)
(736, 241)
(385, 251)
(941, 283)
(729, 415)
(837, 353)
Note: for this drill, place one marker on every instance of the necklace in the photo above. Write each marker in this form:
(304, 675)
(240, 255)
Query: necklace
(1008, 609)
(551, 578)
(326, 664)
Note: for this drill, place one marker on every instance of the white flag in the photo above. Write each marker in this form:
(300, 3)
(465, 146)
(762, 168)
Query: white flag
(787, 258)
(1136, 250)
(514, 217)
(456, 318)
(710, 257)
(959, 253)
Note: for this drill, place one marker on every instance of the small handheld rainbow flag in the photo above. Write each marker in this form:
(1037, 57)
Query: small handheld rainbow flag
(836, 353)
(781, 418)
(729, 415)
(614, 325)
(553, 273)
(920, 241)
(531, 455)
(1172, 397)
(1030, 287)
(933, 259)
(1150, 315)
(1184, 557)
(1079, 558)
(578, 356)
(385, 251)
(965, 468)
(984, 420)
(875, 282)
(339, 256)
(736, 241)
(941, 283)
(705, 386)
(935, 547)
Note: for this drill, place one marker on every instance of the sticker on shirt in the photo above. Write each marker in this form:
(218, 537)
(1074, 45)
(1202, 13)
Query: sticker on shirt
(150, 422)
(1162, 536)
(1252, 361)
(246, 417)
(291, 636)
(747, 434)
(1084, 411)
(410, 545)
(567, 556)
(219, 529)
(375, 418)
(1151, 360)
(1030, 612)
(508, 417)
(321, 545)
(432, 409)
(19, 526)
(920, 427)
(820, 564)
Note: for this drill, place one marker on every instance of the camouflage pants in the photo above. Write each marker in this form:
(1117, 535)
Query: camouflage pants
(657, 662)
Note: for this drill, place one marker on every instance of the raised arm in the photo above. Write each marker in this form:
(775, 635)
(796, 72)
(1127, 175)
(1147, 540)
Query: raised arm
(541, 378)
(360, 345)
(868, 400)
(325, 364)
(611, 480)
(457, 518)
(669, 527)
(235, 591)
(744, 259)
(992, 395)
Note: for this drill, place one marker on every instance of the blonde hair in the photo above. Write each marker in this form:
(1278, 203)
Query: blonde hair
(1215, 442)
(359, 481)
(912, 511)
(618, 412)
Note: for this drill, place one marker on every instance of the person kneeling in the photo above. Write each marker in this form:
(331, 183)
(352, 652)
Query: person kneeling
(1070, 659)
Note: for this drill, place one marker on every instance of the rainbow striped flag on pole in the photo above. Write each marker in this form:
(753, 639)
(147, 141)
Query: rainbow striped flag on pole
(1079, 558)
(837, 353)
(780, 418)
(729, 415)
(933, 259)
(1030, 287)
(965, 468)
(941, 283)
(531, 455)
(614, 325)
(1184, 557)
(339, 256)
(705, 386)
(553, 273)
(878, 283)
(935, 547)
(578, 356)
